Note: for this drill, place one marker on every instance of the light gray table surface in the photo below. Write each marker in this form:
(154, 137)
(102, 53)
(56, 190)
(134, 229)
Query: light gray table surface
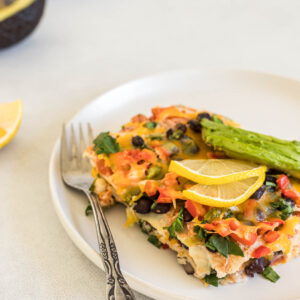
(80, 50)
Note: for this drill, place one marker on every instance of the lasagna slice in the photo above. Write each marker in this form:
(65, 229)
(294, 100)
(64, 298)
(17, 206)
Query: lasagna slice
(216, 245)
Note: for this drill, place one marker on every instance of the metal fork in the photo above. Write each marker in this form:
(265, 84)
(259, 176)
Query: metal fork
(75, 171)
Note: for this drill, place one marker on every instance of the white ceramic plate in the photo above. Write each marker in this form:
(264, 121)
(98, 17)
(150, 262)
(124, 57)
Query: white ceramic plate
(260, 102)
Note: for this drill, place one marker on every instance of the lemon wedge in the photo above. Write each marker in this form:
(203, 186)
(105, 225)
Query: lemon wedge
(216, 171)
(10, 119)
(225, 195)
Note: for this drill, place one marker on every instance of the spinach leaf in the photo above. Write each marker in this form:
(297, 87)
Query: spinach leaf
(224, 246)
(234, 248)
(270, 274)
(212, 278)
(154, 240)
(105, 143)
(216, 242)
(176, 226)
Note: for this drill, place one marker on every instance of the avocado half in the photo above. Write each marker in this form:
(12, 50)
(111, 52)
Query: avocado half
(18, 18)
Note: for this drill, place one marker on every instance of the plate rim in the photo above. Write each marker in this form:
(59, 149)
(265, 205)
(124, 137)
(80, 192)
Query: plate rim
(135, 282)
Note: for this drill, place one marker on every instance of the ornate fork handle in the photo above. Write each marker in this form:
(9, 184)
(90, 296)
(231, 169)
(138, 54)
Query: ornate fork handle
(116, 285)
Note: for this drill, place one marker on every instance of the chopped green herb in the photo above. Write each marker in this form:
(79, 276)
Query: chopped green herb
(154, 240)
(270, 274)
(215, 213)
(176, 226)
(92, 187)
(202, 234)
(150, 125)
(88, 210)
(176, 135)
(154, 172)
(154, 205)
(156, 137)
(284, 207)
(234, 248)
(145, 226)
(105, 143)
(271, 186)
(212, 278)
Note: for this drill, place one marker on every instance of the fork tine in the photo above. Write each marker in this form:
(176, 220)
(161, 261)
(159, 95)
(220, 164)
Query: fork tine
(82, 144)
(74, 150)
(90, 134)
(64, 155)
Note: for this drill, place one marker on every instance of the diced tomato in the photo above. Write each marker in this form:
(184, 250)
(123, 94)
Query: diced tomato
(195, 209)
(291, 194)
(249, 209)
(247, 239)
(234, 224)
(271, 236)
(209, 227)
(139, 118)
(147, 155)
(162, 153)
(265, 226)
(283, 182)
(170, 179)
(150, 188)
(165, 246)
(261, 251)
(168, 195)
(102, 169)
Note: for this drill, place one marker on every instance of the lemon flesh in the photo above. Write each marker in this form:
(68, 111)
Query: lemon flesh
(216, 171)
(225, 195)
(10, 120)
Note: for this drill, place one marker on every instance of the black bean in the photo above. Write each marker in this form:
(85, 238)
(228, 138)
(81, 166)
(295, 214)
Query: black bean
(143, 205)
(202, 116)
(188, 268)
(137, 141)
(195, 125)
(187, 217)
(258, 193)
(161, 208)
(270, 178)
(256, 266)
(169, 133)
(274, 172)
(154, 197)
(260, 215)
(181, 127)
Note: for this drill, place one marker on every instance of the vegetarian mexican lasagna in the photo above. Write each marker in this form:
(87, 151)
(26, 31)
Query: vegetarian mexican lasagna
(225, 199)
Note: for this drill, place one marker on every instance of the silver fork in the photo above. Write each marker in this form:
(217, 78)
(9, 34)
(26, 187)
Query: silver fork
(75, 171)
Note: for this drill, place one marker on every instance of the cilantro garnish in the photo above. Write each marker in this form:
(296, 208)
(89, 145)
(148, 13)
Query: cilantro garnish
(154, 240)
(284, 207)
(176, 226)
(105, 143)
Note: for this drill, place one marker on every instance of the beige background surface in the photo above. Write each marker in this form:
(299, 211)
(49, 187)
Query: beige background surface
(80, 50)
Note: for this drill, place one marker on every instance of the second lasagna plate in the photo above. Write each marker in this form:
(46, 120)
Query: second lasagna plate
(259, 102)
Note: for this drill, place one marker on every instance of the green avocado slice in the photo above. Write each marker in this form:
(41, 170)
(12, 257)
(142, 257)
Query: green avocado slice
(243, 144)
